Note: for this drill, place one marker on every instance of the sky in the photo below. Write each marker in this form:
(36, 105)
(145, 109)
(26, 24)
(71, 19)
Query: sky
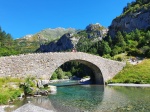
(23, 17)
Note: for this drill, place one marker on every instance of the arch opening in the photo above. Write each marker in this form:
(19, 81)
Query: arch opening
(91, 70)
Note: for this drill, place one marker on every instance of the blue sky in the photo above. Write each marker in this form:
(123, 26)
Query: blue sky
(22, 17)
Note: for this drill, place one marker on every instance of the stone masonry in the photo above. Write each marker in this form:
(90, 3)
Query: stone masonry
(42, 65)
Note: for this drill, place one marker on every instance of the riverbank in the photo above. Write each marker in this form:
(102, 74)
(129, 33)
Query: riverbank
(137, 74)
(129, 85)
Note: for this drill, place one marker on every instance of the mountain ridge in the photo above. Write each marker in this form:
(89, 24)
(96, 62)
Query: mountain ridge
(68, 41)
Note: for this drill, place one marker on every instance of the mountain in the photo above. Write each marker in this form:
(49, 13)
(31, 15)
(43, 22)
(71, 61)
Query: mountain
(30, 43)
(47, 35)
(130, 32)
(68, 41)
(136, 15)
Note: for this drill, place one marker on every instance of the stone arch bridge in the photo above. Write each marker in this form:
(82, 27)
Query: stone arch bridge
(42, 65)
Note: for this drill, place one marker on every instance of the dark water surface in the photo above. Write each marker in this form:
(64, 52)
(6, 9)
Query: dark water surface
(96, 98)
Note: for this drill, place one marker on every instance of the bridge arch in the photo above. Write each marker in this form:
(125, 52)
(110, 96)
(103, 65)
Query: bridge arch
(98, 77)
(42, 65)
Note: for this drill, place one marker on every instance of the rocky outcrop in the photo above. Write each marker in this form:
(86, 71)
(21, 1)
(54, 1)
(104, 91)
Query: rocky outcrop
(64, 43)
(131, 21)
(96, 30)
(68, 41)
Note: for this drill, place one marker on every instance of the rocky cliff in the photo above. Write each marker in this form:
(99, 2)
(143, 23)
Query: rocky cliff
(68, 41)
(140, 19)
(64, 43)
(96, 30)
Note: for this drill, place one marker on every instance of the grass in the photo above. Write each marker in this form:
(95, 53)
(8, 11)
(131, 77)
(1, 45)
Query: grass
(7, 91)
(138, 74)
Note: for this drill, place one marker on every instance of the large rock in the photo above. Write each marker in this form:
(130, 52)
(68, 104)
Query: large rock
(31, 108)
(53, 89)
(129, 22)
(42, 83)
(96, 30)
(64, 43)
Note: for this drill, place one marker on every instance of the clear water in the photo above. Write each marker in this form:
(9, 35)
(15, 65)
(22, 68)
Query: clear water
(95, 98)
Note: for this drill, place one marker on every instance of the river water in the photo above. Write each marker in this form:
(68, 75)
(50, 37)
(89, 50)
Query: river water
(95, 98)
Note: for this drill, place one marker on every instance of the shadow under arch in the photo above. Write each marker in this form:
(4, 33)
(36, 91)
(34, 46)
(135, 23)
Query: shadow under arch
(98, 77)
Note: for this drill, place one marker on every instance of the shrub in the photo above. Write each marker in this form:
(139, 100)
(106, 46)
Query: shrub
(28, 85)
(54, 76)
(4, 98)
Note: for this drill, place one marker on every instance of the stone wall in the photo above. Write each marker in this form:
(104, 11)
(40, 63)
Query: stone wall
(42, 65)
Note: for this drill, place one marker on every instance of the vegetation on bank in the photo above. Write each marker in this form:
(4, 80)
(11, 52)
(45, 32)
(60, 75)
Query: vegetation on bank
(13, 88)
(138, 74)
(9, 89)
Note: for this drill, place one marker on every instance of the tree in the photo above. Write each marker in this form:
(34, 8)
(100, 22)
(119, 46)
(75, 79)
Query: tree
(116, 50)
(54, 76)
(109, 40)
(60, 73)
(104, 48)
(137, 35)
(119, 40)
(147, 38)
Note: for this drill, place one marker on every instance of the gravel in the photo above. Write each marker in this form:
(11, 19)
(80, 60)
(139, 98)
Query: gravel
(130, 85)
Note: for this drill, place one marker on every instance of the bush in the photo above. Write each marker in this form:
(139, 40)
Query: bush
(147, 53)
(54, 76)
(28, 84)
(106, 56)
(135, 52)
(68, 74)
(119, 59)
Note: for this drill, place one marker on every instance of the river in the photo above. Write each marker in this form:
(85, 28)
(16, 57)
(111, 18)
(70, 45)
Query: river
(95, 98)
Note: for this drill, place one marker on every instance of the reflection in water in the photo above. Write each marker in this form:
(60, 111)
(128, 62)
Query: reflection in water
(77, 98)
(96, 98)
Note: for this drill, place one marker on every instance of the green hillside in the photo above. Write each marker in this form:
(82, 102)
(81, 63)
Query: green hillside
(139, 74)
(30, 43)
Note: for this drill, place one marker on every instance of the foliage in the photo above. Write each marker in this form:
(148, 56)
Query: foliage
(7, 44)
(70, 69)
(135, 43)
(138, 74)
(136, 6)
(54, 76)
(8, 93)
(28, 85)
